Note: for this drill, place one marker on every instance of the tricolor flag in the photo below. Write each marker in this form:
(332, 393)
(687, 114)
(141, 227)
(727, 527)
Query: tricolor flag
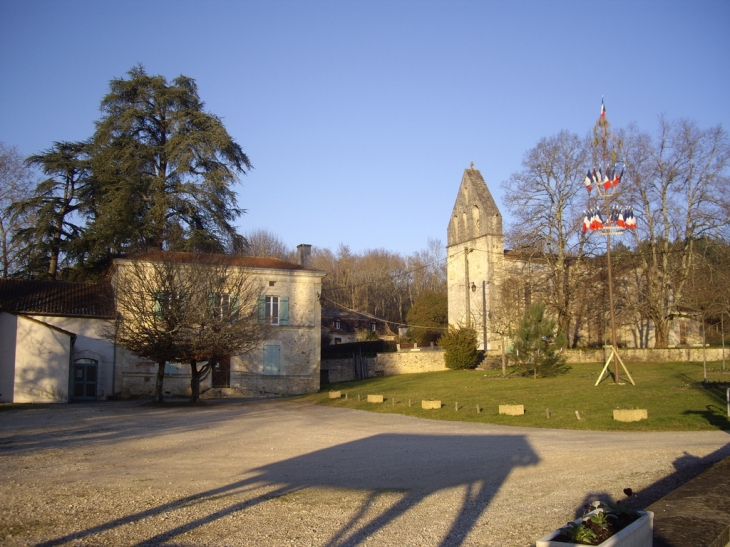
(603, 109)
(606, 182)
(586, 222)
(630, 220)
(588, 182)
(621, 222)
(617, 178)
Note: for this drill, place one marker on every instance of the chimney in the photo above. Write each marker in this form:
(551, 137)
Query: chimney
(304, 252)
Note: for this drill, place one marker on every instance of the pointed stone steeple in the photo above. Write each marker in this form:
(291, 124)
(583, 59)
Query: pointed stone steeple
(475, 213)
(475, 252)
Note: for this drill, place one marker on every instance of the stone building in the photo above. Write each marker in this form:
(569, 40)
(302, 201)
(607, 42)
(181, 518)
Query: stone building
(475, 252)
(490, 287)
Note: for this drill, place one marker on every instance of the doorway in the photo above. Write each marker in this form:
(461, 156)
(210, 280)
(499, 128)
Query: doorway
(221, 375)
(84, 379)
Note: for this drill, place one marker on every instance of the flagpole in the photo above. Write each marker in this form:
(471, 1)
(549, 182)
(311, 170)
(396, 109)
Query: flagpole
(603, 184)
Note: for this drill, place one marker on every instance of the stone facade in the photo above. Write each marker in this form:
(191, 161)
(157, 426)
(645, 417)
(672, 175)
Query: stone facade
(475, 251)
(489, 288)
(296, 343)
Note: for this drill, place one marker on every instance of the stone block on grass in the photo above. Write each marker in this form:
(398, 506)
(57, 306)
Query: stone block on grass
(512, 410)
(429, 405)
(335, 394)
(633, 415)
(375, 398)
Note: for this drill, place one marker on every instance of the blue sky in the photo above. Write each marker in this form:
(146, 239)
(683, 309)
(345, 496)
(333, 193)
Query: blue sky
(360, 116)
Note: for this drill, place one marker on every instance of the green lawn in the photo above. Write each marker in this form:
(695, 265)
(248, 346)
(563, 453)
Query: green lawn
(673, 394)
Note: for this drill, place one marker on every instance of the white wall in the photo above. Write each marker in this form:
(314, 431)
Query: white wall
(89, 344)
(41, 363)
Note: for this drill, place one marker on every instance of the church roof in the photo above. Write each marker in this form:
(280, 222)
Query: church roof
(473, 195)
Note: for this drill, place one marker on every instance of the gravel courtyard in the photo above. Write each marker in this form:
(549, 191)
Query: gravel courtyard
(286, 472)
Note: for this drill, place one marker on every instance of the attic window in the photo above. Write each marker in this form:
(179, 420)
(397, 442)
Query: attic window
(338, 326)
(272, 283)
(372, 327)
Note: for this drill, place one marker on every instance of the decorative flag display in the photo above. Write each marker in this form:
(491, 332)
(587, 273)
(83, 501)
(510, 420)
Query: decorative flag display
(623, 218)
(603, 109)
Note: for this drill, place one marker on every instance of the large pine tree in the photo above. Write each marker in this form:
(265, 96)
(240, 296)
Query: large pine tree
(165, 169)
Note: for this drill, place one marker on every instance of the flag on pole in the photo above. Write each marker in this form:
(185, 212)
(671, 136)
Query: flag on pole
(603, 109)
(586, 221)
(588, 182)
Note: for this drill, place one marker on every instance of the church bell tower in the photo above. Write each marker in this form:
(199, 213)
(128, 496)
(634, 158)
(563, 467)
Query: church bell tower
(475, 255)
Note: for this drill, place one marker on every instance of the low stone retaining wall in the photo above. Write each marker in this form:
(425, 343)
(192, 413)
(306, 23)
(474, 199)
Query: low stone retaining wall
(409, 362)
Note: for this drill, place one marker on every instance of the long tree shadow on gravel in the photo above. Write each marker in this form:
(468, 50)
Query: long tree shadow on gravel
(414, 466)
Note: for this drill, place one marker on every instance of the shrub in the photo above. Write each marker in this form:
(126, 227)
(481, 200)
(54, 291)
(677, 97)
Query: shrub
(461, 348)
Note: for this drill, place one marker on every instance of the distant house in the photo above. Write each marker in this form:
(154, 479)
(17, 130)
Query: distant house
(50, 351)
(344, 326)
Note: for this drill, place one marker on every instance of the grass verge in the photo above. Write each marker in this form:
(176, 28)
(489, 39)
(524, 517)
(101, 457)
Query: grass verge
(673, 394)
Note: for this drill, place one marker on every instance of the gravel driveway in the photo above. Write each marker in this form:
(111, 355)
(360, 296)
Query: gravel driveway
(287, 472)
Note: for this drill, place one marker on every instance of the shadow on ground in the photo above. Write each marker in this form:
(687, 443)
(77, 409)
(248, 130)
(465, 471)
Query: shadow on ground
(412, 466)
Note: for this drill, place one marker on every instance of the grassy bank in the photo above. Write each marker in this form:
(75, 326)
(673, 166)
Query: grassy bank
(673, 394)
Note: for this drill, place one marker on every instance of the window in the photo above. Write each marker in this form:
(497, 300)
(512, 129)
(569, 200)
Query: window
(272, 362)
(223, 306)
(274, 310)
(338, 325)
(373, 327)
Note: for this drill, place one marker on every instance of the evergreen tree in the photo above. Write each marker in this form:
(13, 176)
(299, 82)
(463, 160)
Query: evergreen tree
(537, 345)
(428, 317)
(55, 205)
(165, 170)
(461, 348)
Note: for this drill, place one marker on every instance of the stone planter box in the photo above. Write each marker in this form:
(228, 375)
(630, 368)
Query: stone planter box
(335, 394)
(375, 398)
(637, 534)
(512, 410)
(429, 405)
(634, 415)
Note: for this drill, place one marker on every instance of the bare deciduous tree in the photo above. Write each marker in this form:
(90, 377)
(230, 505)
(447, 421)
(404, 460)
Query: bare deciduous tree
(265, 243)
(543, 198)
(15, 186)
(678, 183)
(186, 307)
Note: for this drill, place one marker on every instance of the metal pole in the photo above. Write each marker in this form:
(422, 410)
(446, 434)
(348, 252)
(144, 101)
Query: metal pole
(610, 303)
(484, 313)
(468, 298)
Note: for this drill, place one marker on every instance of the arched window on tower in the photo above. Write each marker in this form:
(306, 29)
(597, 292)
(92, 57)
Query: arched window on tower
(476, 219)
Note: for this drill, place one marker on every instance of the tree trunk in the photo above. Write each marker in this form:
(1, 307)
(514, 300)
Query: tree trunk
(661, 334)
(159, 380)
(194, 381)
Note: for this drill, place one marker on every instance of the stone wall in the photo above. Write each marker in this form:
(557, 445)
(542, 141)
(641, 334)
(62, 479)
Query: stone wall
(646, 355)
(409, 362)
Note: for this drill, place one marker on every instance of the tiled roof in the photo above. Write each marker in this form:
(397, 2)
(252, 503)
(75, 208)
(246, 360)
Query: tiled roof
(57, 298)
(202, 258)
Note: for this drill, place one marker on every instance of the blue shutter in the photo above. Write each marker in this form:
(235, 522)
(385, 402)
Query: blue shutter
(283, 310)
(272, 364)
(262, 309)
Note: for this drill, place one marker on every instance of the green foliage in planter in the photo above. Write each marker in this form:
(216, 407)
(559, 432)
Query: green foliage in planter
(537, 346)
(461, 348)
(578, 533)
